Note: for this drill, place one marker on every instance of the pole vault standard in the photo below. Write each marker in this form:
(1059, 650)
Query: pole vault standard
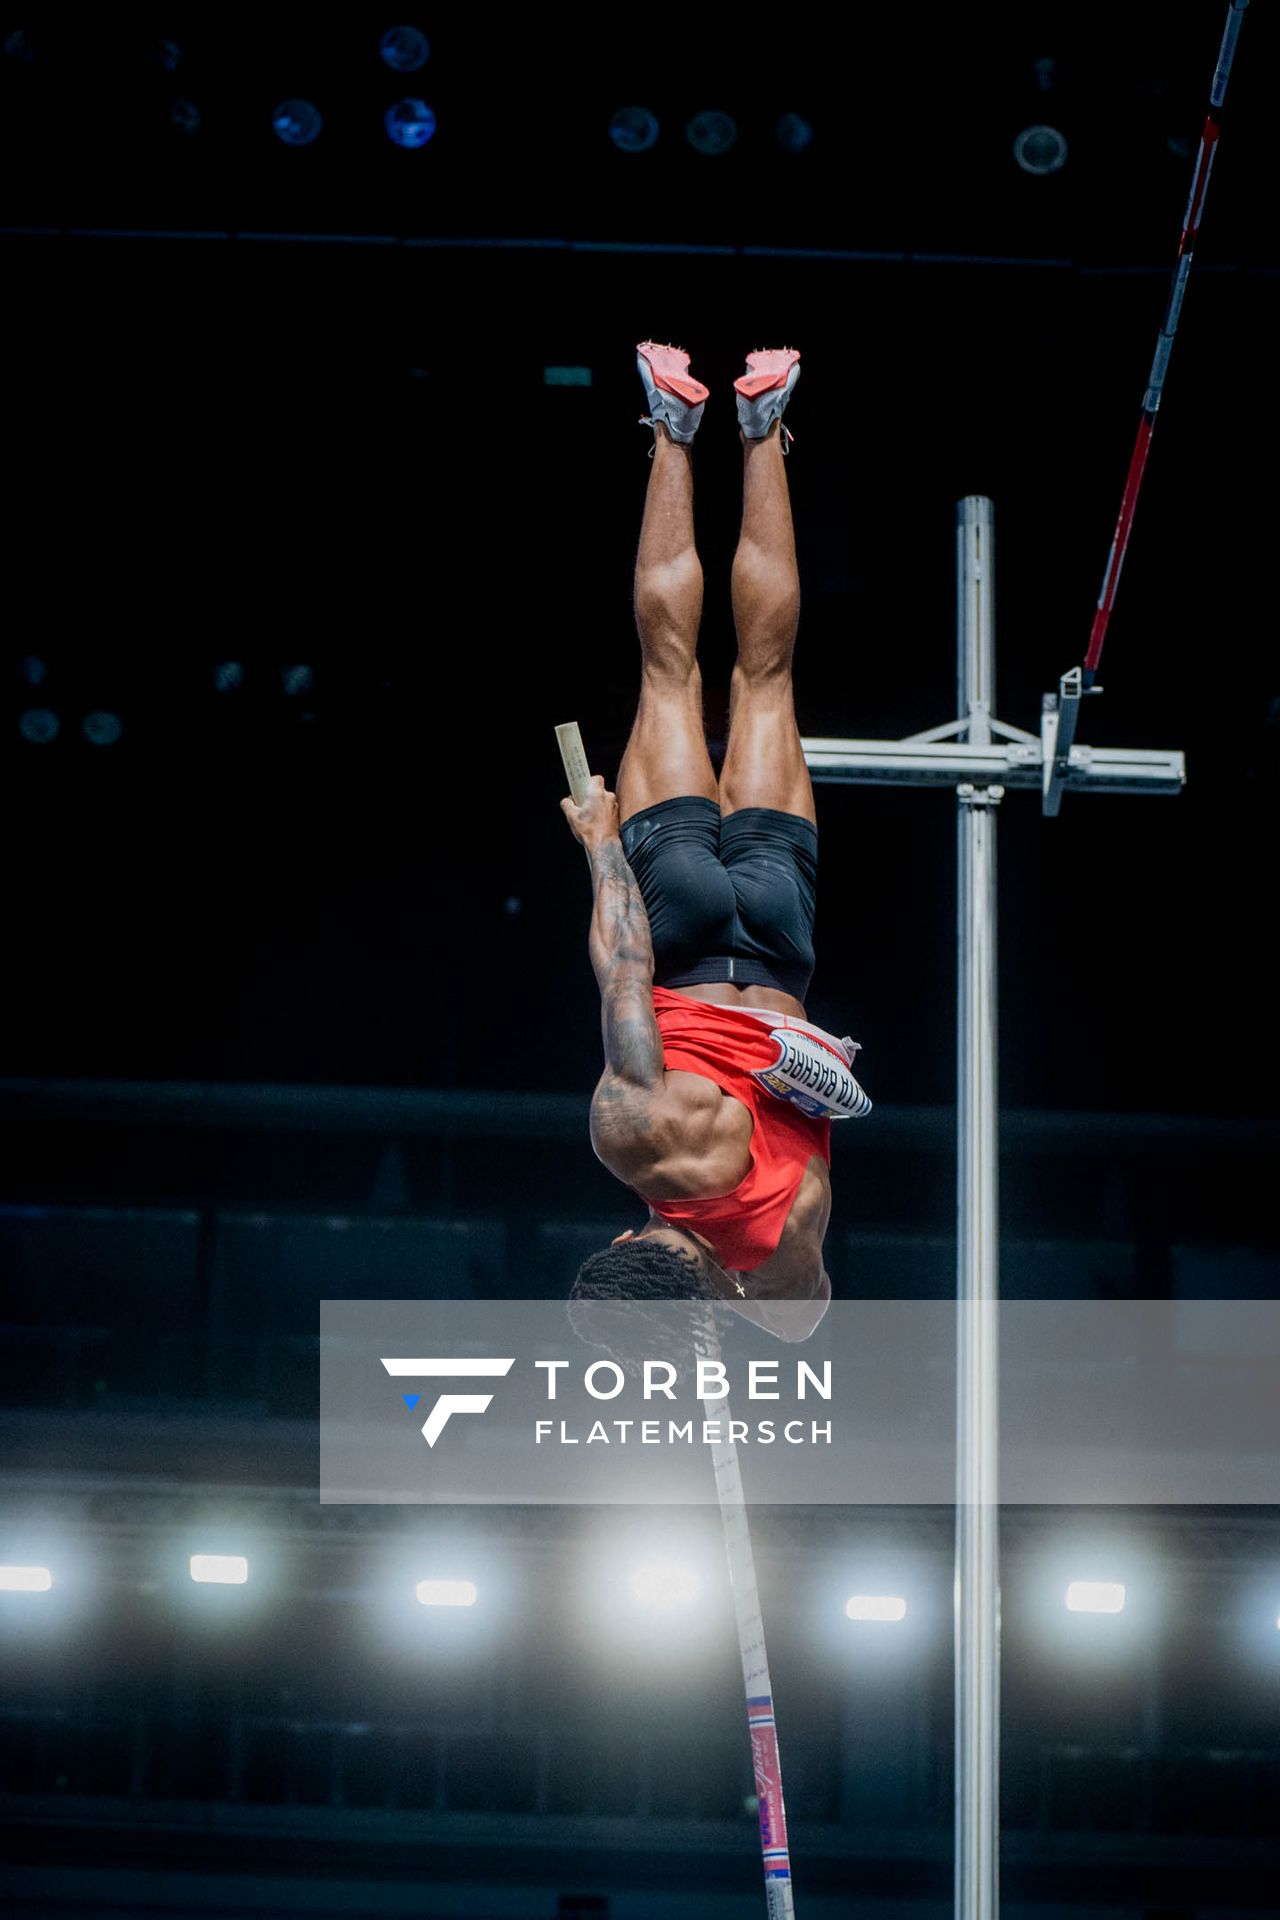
(980, 757)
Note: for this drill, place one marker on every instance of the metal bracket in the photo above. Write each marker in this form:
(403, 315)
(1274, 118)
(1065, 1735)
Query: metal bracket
(1059, 718)
(970, 796)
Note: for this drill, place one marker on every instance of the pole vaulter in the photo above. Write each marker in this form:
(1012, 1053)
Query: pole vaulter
(714, 1076)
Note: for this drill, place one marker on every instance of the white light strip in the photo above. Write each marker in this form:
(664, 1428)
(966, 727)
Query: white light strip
(25, 1579)
(875, 1606)
(1095, 1596)
(446, 1593)
(220, 1569)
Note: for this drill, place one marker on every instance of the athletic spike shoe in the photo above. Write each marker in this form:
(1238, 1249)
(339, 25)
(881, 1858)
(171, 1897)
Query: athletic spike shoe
(764, 390)
(675, 398)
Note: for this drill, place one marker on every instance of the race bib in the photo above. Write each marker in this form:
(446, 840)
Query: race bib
(812, 1078)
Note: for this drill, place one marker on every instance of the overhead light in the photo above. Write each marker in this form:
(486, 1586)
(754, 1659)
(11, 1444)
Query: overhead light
(446, 1593)
(219, 1569)
(39, 725)
(404, 49)
(410, 123)
(664, 1585)
(875, 1606)
(25, 1579)
(102, 729)
(1040, 150)
(296, 122)
(1095, 1596)
(711, 131)
(633, 129)
(794, 133)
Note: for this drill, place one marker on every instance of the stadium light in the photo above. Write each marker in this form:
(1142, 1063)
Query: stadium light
(712, 131)
(25, 1579)
(410, 123)
(445, 1593)
(1040, 150)
(794, 133)
(633, 129)
(664, 1585)
(1095, 1596)
(39, 725)
(875, 1606)
(102, 729)
(219, 1569)
(296, 122)
(404, 49)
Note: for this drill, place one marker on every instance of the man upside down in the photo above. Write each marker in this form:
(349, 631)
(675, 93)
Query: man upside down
(717, 1095)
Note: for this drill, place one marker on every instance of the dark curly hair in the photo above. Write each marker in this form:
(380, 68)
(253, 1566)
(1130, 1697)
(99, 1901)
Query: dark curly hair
(618, 1299)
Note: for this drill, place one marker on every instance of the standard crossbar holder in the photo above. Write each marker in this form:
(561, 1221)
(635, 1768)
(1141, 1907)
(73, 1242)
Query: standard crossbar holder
(1020, 762)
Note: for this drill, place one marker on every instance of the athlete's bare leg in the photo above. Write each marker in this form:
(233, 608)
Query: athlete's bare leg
(764, 765)
(667, 755)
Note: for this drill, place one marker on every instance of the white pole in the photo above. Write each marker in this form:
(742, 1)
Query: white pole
(977, 1594)
(774, 1854)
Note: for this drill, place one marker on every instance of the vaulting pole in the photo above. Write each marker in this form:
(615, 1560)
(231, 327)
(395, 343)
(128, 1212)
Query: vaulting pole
(977, 1594)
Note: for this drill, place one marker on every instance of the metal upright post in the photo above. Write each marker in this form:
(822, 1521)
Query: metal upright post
(977, 1594)
(980, 757)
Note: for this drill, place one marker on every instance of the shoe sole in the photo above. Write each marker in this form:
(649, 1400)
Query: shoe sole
(667, 365)
(765, 370)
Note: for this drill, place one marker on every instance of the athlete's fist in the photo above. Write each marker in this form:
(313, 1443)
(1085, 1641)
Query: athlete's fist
(594, 819)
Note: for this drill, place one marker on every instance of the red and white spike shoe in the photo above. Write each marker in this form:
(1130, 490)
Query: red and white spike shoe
(764, 390)
(675, 398)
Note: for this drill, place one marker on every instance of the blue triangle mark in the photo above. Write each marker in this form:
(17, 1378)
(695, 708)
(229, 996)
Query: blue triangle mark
(411, 1400)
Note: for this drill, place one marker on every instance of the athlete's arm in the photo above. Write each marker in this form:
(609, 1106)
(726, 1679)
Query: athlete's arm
(622, 958)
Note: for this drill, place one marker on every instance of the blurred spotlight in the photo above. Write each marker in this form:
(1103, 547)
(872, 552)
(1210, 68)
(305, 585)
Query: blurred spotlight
(633, 129)
(296, 680)
(1095, 1596)
(33, 670)
(102, 729)
(446, 1593)
(228, 675)
(296, 122)
(169, 54)
(711, 131)
(17, 45)
(664, 1584)
(875, 1606)
(410, 123)
(25, 1579)
(794, 133)
(513, 905)
(404, 49)
(219, 1569)
(1046, 72)
(1040, 150)
(39, 726)
(185, 116)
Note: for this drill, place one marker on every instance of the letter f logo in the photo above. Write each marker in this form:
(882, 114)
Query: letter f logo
(436, 1421)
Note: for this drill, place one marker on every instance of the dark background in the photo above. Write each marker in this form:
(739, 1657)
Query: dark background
(286, 411)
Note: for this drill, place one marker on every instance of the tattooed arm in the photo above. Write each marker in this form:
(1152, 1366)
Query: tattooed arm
(622, 957)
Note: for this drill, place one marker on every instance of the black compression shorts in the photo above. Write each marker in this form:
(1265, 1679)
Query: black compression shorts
(727, 899)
